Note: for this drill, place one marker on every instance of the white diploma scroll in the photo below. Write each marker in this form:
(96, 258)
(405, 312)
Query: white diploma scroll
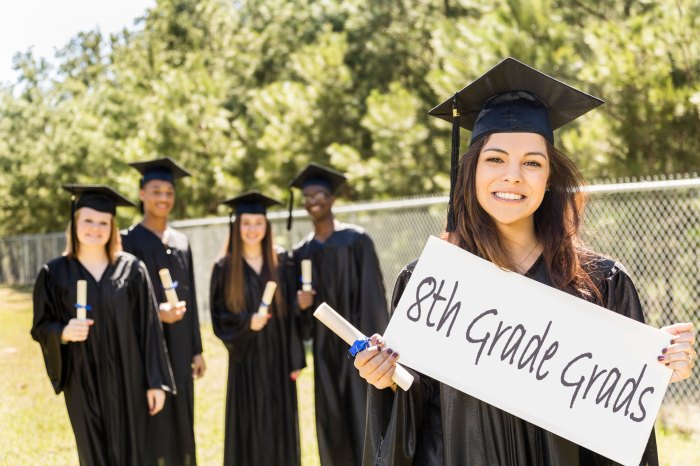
(81, 300)
(167, 282)
(268, 294)
(350, 334)
(306, 275)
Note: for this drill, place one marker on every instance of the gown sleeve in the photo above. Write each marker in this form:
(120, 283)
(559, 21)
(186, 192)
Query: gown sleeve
(193, 309)
(159, 373)
(47, 328)
(404, 428)
(232, 328)
(370, 314)
(287, 278)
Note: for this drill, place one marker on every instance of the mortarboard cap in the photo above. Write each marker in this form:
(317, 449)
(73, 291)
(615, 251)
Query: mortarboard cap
(165, 169)
(510, 97)
(99, 197)
(250, 202)
(314, 174)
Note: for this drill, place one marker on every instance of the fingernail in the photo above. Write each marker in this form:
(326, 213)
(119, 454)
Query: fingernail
(673, 342)
(395, 355)
(389, 351)
(660, 358)
(663, 351)
(667, 363)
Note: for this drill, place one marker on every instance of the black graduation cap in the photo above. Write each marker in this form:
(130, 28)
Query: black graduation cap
(317, 175)
(95, 196)
(164, 168)
(249, 202)
(510, 97)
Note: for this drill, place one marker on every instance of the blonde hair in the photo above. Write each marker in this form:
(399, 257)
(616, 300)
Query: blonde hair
(112, 248)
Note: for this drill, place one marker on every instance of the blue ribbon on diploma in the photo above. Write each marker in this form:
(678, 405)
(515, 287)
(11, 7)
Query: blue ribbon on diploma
(359, 345)
(87, 306)
(172, 287)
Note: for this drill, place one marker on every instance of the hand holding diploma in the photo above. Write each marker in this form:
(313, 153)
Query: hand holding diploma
(171, 314)
(174, 310)
(382, 372)
(305, 296)
(76, 330)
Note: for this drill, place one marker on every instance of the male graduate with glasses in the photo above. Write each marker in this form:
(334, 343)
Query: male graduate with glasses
(347, 276)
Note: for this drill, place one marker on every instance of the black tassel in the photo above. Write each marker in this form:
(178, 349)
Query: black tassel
(73, 239)
(291, 206)
(454, 162)
(230, 232)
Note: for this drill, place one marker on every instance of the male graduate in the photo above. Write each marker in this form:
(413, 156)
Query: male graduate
(346, 275)
(171, 433)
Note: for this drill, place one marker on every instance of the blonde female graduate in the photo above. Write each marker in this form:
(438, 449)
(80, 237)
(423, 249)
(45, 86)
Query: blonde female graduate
(112, 367)
(265, 351)
(516, 203)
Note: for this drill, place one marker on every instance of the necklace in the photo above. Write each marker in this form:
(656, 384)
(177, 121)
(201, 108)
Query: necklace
(522, 263)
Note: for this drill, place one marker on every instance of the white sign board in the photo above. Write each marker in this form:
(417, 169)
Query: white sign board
(583, 372)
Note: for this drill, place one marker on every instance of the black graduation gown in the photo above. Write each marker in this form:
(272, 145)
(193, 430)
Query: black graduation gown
(346, 275)
(436, 424)
(262, 425)
(171, 432)
(104, 379)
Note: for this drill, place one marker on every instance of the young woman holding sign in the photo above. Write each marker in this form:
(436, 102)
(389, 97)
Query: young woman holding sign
(255, 320)
(112, 367)
(514, 202)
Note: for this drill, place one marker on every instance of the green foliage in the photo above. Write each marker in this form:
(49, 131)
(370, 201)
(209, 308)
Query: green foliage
(245, 93)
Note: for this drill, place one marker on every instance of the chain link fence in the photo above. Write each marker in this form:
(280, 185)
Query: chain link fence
(652, 227)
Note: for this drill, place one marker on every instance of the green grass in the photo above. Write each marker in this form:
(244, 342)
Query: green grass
(34, 426)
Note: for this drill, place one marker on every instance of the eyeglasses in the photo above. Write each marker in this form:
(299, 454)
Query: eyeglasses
(315, 197)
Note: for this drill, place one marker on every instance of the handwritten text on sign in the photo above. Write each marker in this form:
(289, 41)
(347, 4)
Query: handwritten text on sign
(581, 371)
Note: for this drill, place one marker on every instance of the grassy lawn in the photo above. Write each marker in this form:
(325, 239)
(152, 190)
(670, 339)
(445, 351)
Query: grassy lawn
(34, 426)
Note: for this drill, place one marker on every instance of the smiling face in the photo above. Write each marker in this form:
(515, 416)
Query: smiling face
(317, 202)
(92, 227)
(158, 197)
(253, 228)
(511, 177)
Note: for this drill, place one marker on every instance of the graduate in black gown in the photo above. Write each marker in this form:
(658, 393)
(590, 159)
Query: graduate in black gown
(265, 351)
(159, 246)
(347, 276)
(515, 203)
(112, 367)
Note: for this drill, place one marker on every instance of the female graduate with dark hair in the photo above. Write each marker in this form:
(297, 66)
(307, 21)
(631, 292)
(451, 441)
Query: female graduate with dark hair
(112, 367)
(516, 203)
(265, 351)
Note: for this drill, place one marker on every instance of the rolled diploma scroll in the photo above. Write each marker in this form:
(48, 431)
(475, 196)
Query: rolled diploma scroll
(167, 282)
(306, 275)
(269, 292)
(81, 300)
(350, 334)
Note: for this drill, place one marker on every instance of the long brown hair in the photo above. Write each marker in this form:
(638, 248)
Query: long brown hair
(233, 269)
(112, 248)
(557, 223)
